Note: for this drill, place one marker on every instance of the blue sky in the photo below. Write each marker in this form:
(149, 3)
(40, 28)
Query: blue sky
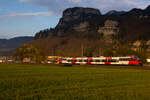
(26, 17)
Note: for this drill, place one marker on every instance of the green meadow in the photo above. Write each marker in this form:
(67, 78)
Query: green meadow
(45, 82)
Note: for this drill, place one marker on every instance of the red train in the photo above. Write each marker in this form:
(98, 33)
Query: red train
(130, 60)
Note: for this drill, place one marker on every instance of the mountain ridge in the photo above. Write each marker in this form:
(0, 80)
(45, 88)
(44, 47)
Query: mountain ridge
(84, 21)
(7, 46)
(93, 33)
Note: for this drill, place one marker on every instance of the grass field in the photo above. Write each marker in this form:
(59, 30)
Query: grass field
(37, 82)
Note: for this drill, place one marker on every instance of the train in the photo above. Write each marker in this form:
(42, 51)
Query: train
(127, 60)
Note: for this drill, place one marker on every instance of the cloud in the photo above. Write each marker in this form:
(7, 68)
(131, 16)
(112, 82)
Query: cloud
(117, 5)
(27, 14)
(5, 35)
(58, 6)
(76, 1)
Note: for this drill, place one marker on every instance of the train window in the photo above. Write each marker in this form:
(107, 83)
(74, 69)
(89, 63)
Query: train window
(124, 59)
(79, 60)
(121, 59)
(74, 60)
(136, 57)
(112, 60)
(104, 60)
(94, 60)
(69, 60)
(131, 59)
(97, 61)
(85, 60)
(90, 60)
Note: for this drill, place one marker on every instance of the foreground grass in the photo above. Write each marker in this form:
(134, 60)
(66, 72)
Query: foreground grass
(28, 82)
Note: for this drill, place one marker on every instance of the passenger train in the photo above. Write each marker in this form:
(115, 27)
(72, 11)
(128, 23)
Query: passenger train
(129, 60)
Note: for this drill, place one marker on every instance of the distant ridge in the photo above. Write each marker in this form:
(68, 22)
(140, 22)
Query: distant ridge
(115, 13)
(7, 46)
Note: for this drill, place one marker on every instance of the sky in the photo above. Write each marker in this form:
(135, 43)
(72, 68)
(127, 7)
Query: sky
(26, 17)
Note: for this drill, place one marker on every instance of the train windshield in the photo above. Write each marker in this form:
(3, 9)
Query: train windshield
(137, 58)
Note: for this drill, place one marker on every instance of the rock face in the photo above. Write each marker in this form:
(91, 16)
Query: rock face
(110, 28)
(77, 15)
(73, 19)
(82, 27)
(87, 21)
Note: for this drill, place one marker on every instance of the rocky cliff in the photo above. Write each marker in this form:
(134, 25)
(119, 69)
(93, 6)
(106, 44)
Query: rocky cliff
(73, 20)
(87, 28)
(85, 22)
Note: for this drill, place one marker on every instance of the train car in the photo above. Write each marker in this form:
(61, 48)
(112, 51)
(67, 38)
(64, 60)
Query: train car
(130, 60)
(73, 60)
(81, 60)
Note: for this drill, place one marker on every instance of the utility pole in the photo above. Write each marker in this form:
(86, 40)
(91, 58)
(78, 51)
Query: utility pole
(82, 50)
